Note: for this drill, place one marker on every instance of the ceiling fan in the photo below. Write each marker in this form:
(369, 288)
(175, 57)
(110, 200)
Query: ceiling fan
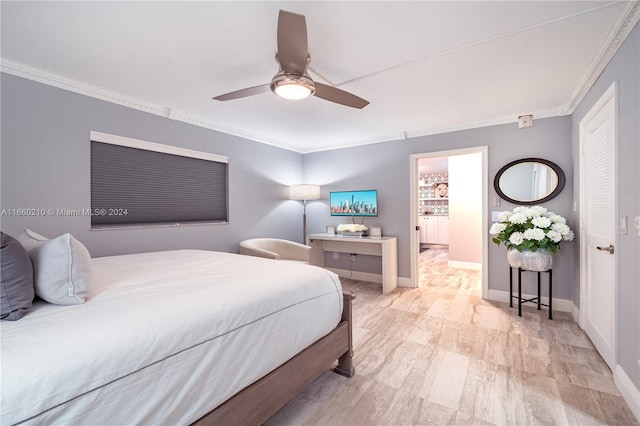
(292, 80)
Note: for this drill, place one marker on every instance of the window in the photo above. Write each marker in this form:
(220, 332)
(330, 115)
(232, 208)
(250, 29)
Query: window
(138, 183)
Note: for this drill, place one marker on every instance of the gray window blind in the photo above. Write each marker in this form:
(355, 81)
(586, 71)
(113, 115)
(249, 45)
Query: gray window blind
(131, 186)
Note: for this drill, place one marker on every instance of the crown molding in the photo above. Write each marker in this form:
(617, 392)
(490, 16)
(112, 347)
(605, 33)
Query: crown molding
(39, 76)
(618, 34)
(43, 77)
(173, 114)
(178, 116)
(548, 113)
(352, 144)
(625, 24)
(496, 121)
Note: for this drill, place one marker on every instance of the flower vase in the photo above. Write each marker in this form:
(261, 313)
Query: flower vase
(539, 260)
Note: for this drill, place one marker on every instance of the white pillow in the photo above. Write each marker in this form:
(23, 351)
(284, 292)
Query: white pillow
(61, 267)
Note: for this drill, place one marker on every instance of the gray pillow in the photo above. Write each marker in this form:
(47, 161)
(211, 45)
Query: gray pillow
(16, 279)
(61, 266)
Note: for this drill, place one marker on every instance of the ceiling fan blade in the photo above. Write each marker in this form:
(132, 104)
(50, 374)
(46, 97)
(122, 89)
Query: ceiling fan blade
(333, 94)
(292, 42)
(250, 91)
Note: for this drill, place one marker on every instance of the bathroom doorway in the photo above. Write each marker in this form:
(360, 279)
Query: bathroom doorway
(449, 212)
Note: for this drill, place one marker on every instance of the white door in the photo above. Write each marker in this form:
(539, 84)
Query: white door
(598, 236)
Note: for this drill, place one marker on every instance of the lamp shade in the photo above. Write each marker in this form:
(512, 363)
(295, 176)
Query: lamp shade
(304, 192)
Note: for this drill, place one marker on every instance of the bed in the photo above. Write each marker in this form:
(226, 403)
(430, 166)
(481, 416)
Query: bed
(176, 337)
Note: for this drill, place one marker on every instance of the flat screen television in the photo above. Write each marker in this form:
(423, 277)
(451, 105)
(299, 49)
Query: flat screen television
(354, 203)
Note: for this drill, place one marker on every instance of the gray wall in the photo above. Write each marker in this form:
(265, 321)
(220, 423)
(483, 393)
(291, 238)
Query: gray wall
(385, 167)
(45, 164)
(625, 69)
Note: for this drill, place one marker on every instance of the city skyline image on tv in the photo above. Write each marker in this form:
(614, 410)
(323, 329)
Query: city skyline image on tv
(354, 203)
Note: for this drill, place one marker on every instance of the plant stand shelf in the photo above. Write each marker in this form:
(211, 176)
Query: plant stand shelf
(533, 299)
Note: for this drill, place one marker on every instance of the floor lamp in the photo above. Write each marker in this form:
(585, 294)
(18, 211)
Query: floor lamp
(304, 193)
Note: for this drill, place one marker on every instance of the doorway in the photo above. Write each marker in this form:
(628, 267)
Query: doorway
(465, 208)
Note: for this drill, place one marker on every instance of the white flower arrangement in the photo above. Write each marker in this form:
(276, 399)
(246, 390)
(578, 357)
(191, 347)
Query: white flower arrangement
(531, 228)
(352, 227)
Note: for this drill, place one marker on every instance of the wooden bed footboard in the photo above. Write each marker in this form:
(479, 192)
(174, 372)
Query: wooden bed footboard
(257, 402)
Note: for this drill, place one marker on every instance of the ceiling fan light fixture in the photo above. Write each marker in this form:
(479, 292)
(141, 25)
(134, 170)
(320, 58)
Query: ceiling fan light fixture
(292, 81)
(292, 87)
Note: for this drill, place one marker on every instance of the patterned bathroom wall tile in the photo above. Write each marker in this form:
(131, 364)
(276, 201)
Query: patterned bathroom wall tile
(426, 192)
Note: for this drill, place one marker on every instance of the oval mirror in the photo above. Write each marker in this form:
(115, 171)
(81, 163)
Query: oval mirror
(529, 181)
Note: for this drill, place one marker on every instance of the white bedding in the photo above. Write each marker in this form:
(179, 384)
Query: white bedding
(163, 339)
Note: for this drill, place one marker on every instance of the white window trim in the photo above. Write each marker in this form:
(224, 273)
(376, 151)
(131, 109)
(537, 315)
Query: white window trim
(157, 147)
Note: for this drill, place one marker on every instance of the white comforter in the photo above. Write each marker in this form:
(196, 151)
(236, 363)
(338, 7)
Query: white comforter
(163, 339)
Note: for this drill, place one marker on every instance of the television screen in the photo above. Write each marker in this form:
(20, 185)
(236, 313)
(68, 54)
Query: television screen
(354, 203)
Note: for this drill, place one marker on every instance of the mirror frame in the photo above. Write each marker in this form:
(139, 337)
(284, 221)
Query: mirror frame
(554, 194)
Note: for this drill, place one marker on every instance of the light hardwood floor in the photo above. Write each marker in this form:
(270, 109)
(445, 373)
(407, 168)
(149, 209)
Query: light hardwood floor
(442, 355)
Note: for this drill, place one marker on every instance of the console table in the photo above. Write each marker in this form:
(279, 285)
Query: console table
(386, 247)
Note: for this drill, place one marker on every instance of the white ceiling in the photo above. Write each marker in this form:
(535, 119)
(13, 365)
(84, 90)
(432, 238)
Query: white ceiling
(433, 165)
(426, 67)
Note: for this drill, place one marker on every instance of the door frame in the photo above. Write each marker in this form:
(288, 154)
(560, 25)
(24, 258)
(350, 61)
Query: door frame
(611, 94)
(414, 239)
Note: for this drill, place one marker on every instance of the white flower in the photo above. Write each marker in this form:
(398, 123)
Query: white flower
(351, 227)
(536, 211)
(497, 228)
(504, 216)
(530, 212)
(518, 218)
(561, 228)
(534, 234)
(556, 218)
(554, 236)
(516, 238)
(541, 222)
(531, 227)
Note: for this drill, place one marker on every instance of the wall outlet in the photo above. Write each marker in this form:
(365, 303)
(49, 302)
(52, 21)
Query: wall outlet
(353, 257)
(336, 255)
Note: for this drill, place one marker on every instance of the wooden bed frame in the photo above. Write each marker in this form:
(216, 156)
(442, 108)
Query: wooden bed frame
(257, 402)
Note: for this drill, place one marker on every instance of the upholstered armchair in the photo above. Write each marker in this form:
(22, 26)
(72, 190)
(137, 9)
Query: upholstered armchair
(274, 248)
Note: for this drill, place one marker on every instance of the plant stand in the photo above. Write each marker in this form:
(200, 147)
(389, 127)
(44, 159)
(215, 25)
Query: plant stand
(533, 299)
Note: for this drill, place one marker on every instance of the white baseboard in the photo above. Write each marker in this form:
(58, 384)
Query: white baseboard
(629, 392)
(405, 282)
(357, 275)
(561, 305)
(575, 312)
(465, 265)
(368, 276)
